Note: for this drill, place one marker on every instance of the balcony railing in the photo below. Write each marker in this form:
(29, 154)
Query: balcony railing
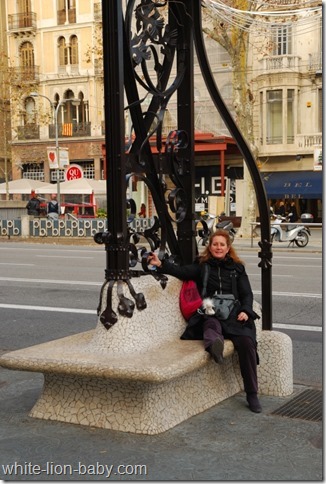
(316, 62)
(310, 140)
(25, 74)
(281, 63)
(303, 144)
(68, 130)
(29, 131)
(22, 22)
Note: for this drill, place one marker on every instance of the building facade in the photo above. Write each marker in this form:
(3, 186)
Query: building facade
(52, 48)
(56, 75)
(286, 77)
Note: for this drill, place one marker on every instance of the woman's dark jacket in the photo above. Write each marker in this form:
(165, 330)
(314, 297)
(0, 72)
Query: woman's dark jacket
(220, 274)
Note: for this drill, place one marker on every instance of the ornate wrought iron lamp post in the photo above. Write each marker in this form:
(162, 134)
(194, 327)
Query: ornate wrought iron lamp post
(137, 36)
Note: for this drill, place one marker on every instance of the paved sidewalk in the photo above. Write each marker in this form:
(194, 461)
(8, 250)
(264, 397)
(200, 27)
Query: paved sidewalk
(224, 443)
(315, 243)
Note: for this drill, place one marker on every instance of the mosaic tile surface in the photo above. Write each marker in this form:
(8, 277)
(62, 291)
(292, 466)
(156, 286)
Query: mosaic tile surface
(139, 376)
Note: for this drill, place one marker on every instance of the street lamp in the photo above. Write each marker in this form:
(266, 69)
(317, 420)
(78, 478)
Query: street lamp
(55, 110)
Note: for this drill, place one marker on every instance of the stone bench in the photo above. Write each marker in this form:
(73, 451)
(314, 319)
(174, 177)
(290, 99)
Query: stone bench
(138, 376)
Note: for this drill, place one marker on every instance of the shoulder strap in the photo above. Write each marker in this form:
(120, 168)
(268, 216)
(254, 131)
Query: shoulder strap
(206, 271)
(234, 284)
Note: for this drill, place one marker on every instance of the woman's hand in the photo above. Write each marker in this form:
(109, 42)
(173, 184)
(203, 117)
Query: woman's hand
(154, 260)
(242, 316)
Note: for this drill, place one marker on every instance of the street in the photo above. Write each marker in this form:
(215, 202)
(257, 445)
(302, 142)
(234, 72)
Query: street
(51, 291)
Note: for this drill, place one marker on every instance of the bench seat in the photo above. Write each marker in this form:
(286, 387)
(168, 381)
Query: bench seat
(139, 376)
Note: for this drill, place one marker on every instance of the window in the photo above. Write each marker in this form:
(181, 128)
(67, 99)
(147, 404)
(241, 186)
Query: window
(33, 171)
(29, 117)
(73, 49)
(70, 112)
(320, 110)
(63, 52)
(274, 117)
(282, 40)
(289, 117)
(68, 54)
(83, 112)
(24, 9)
(66, 11)
(27, 55)
(280, 116)
(24, 6)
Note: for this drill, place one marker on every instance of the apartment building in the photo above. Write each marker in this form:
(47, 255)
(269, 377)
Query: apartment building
(286, 64)
(56, 73)
(57, 83)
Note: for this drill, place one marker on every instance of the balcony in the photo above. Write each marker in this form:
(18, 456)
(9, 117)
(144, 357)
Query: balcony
(25, 74)
(22, 22)
(316, 63)
(304, 144)
(29, 131)
(63, 18)
(310, 141)
(68, 130)
(280, 63)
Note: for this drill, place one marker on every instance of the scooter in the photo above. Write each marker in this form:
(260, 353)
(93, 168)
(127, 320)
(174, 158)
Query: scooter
(293, 234)
(210, 223)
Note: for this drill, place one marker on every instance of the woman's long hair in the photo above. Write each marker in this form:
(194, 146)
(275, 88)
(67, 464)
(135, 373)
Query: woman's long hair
(206, 255)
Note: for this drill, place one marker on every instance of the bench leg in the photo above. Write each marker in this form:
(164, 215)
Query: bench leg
(134, 406)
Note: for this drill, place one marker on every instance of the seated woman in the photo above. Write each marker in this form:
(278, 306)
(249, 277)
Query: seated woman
(240, 327)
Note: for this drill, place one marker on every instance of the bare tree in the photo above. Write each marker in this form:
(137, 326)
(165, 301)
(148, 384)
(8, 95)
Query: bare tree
(234, 38)
(5, 149)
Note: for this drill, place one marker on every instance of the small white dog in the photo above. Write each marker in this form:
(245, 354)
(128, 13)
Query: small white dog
(208, 306)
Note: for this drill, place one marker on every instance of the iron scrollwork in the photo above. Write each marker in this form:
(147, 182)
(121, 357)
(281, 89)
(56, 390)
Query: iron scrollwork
(157, 41)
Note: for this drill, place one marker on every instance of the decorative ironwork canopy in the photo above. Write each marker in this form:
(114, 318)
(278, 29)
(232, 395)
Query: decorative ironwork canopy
(150, 45)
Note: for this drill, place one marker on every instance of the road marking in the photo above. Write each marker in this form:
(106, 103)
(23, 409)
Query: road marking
(293, 265)
(293, 294)
(297, 327)
(251, 274)
(92, 311)
(64, 257)
(283, 257)
(89, 283)
(52, 281)
(13, 264)
(48, 308)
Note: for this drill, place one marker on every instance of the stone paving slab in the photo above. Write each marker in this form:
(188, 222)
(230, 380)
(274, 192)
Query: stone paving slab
(224, 443)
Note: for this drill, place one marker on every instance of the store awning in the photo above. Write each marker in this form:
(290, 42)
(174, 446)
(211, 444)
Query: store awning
(294, 184)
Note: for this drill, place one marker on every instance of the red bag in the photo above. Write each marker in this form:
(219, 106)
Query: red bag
(190, 299)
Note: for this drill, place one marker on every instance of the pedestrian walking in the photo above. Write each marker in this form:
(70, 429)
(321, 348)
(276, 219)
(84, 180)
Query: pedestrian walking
(53, 208)
(34, 205)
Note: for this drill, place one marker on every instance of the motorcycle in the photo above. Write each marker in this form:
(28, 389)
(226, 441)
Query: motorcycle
(210, 223)
(293, 234)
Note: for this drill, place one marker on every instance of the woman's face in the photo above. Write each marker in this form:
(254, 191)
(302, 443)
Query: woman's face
(219, 247)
